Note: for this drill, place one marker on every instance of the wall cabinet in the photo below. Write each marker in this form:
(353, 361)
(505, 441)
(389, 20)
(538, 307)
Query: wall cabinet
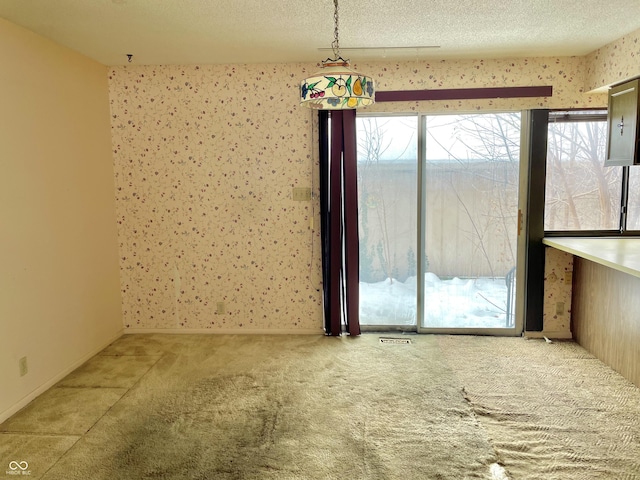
(623, 133)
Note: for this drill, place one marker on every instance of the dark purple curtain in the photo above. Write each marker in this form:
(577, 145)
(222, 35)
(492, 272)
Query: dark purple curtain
(339, 198)
(339, 221)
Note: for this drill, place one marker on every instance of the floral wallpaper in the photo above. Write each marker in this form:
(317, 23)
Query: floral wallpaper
(565, 74)
(205, 161)
(614, 63)
(558, 277)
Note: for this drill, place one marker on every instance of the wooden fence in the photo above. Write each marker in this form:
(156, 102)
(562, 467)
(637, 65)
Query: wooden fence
(470, 219)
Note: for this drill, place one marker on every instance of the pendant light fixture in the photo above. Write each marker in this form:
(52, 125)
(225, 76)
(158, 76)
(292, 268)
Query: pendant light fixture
(336, 86)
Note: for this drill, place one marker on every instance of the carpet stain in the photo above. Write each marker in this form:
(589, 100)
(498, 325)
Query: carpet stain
(280, 408)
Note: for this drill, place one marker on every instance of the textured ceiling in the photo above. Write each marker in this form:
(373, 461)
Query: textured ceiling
(250, 31)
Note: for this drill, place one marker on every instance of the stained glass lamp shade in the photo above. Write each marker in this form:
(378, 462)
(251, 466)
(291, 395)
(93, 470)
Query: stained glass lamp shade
(337, 87)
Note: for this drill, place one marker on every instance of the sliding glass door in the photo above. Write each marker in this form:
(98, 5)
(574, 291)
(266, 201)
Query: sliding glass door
(469, 210)
(438, 207)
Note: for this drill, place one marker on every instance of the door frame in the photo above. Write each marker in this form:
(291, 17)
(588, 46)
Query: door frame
(530, 252)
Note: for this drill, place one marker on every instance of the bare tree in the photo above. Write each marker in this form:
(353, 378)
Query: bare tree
(472, 191)
(376, 170)
(581, 192)
(483, 153)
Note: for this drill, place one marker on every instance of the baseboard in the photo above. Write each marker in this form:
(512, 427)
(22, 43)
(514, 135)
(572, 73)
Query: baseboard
(50, 383)
(226, 331)
(558, 335)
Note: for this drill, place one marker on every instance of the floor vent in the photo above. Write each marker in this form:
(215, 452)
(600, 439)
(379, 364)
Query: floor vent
(395, 341)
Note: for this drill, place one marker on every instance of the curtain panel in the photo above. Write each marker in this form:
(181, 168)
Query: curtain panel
(339, 221)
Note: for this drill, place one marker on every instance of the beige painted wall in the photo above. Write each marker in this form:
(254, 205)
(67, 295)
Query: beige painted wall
(59, 290)
(205, 160)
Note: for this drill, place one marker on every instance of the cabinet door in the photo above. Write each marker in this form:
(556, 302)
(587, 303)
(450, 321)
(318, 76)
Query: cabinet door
(622, 139)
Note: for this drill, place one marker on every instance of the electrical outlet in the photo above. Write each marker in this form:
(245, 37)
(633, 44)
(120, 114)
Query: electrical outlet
(559, 308)
(22, 365)
(220, 308)
(302, 194)
(568, 278)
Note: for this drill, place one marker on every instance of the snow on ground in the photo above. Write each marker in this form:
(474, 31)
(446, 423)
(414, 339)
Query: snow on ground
(455, 303)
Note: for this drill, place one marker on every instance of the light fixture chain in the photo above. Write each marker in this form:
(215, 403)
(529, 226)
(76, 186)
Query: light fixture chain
(340, 88)
(336, 38)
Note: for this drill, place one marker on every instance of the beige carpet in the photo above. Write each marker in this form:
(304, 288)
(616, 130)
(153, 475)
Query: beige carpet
(306, 407)
(552, 411)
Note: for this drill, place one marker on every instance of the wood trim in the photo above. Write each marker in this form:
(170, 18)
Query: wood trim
(464, 93)
(605, 316)
(534, 228)
(223, 331)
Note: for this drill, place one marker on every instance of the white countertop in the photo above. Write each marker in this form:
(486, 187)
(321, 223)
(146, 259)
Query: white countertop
(619, 253)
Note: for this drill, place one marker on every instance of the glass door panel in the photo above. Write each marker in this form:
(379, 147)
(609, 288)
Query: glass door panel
(388, 219)
(469, 213)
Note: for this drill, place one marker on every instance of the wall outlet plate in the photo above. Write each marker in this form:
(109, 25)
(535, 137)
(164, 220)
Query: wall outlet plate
(302, 194)
(220, 308)
(23, 366)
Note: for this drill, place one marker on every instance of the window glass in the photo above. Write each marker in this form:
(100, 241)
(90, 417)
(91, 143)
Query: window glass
(633, 210)
(388, 218)
(581, 193)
